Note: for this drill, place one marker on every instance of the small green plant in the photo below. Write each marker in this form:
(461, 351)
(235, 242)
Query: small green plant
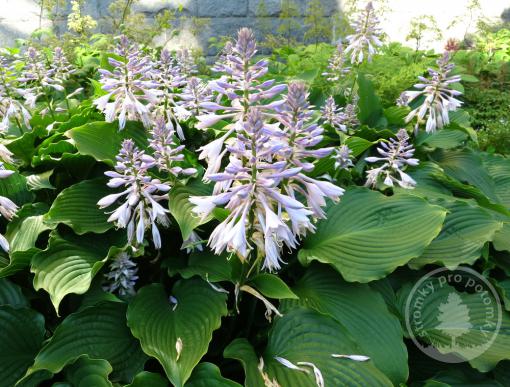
(423, 29)
(318, 25)
(289, 24)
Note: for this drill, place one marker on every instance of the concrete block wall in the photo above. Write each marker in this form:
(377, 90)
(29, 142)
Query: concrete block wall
(20, 17)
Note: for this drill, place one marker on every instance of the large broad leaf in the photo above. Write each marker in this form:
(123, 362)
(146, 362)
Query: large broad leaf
(368, 235)
(89, 139)
(242, 351)
(470, 321)
(10, 294)
(22, 233)
(76, 207)
(21, 335)
(101, 333)
(208, 375)
(145, 379)
(466, 166)
(87, 372)
(181, 208)
(465, 231)
(304, 335)
(206, 264)
(70, 262)
(15, 188)
(370, 108)
(176, 333)
(444, 139)
(362, 311)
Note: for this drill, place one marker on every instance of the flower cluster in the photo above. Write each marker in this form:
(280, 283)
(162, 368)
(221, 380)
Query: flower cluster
(337, 68)
(7, 207)
(263, 182)
(167, 73)
(10, 107)
(396, 155)
(439, 97)
(141, 209)
(166, 152)
(130, 84)
(121, 278)
(343, 158)
(340, 118)
(364, 41)
(77, 22)
(194, 94)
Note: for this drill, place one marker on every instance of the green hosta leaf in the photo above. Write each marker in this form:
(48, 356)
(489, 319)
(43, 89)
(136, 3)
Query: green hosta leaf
(22, 233)
(209, 375)
(181, 208)
(70, 262)
(25, 228)
(207, 265)
(241, 350)
(162, 326)
(444, 139)
(89, 139)
(146, 379)
(362, 311)
(87, 372)
(465, 231)
(100, 332)
(15, 188)
(272, 286)
(498, 168)
(370, 108)
(21, 335)
(476, 330)
(10, 294)
(396, 115)
(368, 235)
(466, 166)
(504, 291)
(76, 207)
(324, 337)
(358, 145)
(40, 181)
(460, 378)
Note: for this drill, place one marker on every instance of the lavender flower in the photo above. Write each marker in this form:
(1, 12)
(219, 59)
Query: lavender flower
(122, 276)
(141, 209)
(7, 207)
(170, 79)
(60, 67)
(333, 115)
(194, 94)
(396, 155)
(10, 107)
(243, 88)
(223, 63)
(302, 138)
(343, 158)
(402, 100)
(340, 118)
(186, 62)
(166, 152)
(130, 85)
(337, 68)
(263, 180)
(194, 242)
(365, 39)
(259, 212)
(439, 97)
(37, 73)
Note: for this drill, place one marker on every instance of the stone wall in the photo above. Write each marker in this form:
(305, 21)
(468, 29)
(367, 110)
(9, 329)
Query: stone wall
(20, 17)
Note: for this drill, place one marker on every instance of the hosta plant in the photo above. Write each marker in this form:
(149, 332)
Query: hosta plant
(166, 227)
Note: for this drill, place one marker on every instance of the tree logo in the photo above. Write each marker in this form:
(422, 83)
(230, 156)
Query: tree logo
(453, 316)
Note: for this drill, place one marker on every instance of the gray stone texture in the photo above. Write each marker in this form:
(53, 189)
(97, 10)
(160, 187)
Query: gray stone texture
(225, 16)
